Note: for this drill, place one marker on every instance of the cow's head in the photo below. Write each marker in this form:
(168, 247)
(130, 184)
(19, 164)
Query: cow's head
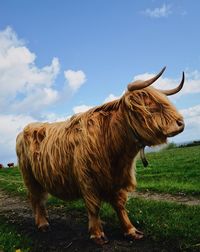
(151, 115)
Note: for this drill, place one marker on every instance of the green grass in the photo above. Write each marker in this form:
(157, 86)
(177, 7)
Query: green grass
(171, 171)
(11, 181)
(11, 240)
(168, 223)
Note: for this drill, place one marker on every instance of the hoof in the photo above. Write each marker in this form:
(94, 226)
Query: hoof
(136, 235)
(99, 240)
(44, 227)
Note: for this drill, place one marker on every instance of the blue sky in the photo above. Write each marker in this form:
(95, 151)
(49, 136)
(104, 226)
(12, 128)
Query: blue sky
(62, 57)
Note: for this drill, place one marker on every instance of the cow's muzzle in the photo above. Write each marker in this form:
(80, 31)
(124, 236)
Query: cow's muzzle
(176, 129)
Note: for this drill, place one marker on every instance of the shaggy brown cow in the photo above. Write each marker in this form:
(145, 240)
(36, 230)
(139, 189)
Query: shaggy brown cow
(1, 166)
(92, 155)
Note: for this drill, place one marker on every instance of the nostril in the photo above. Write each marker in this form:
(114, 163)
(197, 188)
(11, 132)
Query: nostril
(180, 123)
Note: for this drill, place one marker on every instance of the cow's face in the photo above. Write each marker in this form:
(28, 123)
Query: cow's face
(151, 115)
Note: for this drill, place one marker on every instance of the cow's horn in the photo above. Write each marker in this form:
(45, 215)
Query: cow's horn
(175, 90)
(138, 84)
(143, 158)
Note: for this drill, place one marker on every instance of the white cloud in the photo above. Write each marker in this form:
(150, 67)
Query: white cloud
(111, 97)
(53, 117)
(159, 12)
(36, 100)
(25, 87)
(20, 77)
(75, 79)
(191, 112)
(81, 108)
(8, 38)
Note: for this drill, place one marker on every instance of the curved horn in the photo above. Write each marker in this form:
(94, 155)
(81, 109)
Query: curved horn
(174, 90)
(138, 84)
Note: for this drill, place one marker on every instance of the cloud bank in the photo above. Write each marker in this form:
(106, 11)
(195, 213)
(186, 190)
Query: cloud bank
(27, 90)
(22, 83)
(24, 87)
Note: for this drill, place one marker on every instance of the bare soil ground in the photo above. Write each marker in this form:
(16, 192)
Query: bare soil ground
(179, 198)
(68, 230)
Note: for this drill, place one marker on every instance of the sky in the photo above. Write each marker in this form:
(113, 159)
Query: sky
(62, 57)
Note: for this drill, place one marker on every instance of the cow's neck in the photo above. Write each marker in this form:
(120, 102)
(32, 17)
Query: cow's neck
(128, 142)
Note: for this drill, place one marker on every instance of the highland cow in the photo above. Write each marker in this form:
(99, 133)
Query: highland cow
(92, 155)
(10, 165)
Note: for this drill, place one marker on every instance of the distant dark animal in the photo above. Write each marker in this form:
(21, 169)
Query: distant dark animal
(10, 165)
(92, 155)
(1, 166)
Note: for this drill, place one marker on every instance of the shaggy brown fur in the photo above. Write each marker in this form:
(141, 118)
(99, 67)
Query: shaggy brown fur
(92, 155)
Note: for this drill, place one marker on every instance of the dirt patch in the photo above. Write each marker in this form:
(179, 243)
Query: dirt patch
(68, 230)
(181, 198)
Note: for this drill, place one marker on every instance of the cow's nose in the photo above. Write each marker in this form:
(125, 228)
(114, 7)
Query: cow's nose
(180, 123)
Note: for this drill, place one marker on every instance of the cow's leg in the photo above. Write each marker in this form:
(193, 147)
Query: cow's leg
(38, 202)
(118, 202)
(37, 196)
(95, 227)
(36, 192)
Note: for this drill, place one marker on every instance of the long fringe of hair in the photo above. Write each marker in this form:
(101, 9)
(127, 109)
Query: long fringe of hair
(91, 155)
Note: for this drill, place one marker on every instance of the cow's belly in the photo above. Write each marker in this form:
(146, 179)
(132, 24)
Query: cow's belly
(63, 187)
(64, 193)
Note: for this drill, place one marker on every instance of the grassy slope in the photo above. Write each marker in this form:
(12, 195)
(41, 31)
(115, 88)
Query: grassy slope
(11, 181)
(171, 171)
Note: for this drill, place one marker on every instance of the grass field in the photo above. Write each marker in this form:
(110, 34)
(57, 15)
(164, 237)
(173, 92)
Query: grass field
(170, 171)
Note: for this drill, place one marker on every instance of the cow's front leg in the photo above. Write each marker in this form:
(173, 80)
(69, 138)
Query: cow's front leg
(39, 209)
(95, 227)
(118, 203)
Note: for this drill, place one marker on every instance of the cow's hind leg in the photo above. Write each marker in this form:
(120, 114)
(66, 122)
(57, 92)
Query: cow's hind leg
(36, 192)
(38, 202)
(118, 203)
(38, 197)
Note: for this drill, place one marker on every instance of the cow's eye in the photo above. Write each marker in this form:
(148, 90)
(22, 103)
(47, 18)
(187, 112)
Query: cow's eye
(154, 110)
